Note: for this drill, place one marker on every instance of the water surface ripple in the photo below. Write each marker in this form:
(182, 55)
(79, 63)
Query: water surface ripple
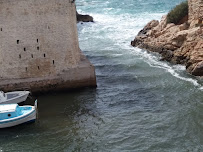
(140, 104)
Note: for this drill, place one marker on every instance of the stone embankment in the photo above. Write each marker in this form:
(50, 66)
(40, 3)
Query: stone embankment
(179, 44)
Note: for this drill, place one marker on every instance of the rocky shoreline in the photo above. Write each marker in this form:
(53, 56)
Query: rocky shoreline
(179, 44)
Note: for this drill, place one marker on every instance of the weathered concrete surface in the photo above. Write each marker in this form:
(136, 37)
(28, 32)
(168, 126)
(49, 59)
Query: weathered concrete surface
(180, 44)
(39, 46)
(82, 75)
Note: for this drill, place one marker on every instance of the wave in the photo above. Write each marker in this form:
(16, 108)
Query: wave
(116, 33)
(175, 70)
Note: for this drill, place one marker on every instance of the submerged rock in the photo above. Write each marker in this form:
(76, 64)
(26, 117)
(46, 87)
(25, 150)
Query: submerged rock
(84, 18)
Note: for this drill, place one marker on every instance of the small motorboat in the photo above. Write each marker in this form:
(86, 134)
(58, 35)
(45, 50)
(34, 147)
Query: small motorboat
(13, 97)
(13, 114)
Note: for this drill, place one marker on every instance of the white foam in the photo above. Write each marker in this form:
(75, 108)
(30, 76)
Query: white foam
(154, 61)
(201, 88)
(121, 29)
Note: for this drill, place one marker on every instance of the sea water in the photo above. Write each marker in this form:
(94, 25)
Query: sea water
(141, 104)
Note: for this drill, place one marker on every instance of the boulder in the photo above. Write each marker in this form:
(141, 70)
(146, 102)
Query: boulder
(84, 18)
(198, 69)
(148, 27)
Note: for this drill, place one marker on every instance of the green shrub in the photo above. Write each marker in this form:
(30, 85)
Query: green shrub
(178, 13)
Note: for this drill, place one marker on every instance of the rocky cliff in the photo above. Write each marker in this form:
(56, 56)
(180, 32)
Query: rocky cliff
(180, 44)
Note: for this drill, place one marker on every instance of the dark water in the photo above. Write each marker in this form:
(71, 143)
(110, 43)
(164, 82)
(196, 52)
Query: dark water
(140, 104)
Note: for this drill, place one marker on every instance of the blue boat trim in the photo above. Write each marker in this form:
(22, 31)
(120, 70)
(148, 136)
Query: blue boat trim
(18, 118)
(30, 121)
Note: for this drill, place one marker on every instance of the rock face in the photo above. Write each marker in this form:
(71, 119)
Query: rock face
(180, 44)
(84, 18)
(195, 9)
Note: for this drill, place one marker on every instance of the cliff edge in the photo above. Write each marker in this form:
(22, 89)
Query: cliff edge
(180, 43)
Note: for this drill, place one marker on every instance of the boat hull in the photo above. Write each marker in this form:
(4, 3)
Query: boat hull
(14, 122)
(17, 99)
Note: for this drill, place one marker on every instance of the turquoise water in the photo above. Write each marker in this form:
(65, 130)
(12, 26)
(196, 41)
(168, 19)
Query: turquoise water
(141, 104)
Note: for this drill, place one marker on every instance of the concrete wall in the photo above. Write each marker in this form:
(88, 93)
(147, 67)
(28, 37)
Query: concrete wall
(195, 9)
(39, 40)
(81, 76)
(38, 37)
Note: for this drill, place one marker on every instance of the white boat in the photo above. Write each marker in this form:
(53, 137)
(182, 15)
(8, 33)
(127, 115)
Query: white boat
(13, 97)
(13, 114)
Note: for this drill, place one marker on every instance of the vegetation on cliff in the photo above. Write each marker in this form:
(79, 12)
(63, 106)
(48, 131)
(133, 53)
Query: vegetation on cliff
(178, 13)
